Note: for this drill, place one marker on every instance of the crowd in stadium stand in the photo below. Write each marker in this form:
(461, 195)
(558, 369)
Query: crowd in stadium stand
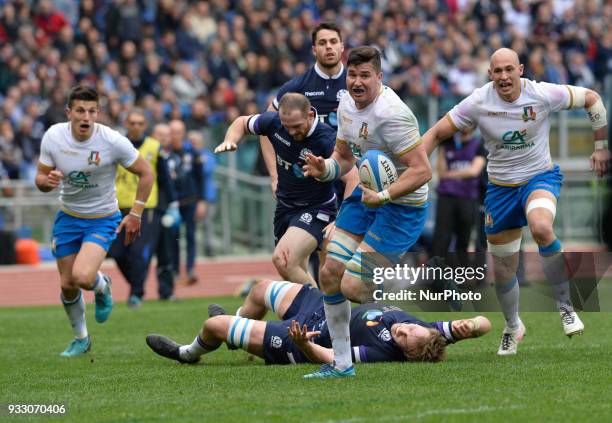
(207, 62)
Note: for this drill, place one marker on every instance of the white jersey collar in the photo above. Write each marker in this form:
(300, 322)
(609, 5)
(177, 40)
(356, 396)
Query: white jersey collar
(323, 75)
(314, 123)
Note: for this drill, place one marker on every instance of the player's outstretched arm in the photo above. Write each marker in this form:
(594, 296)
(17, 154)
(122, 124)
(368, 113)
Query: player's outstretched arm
(131, 221)
(234, 134)
(313, 352)
(442, 130)
(47, 178)
(600, 159)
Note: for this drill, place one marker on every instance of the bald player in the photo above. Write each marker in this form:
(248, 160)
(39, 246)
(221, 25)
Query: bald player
(524, 183)
(305, 205)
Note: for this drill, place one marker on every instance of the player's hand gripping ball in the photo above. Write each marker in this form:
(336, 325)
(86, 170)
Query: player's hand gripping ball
(376, 170)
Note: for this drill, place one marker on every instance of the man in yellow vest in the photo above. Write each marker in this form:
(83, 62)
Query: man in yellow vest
(133, 260)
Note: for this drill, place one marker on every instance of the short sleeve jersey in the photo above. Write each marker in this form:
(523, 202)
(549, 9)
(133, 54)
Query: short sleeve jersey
(89, 167)
(294, 188)
(323, 91)
(516, 133)
(388, 125)
(370, 329)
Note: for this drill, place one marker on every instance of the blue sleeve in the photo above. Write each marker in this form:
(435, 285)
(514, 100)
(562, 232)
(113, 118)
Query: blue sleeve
(261, 124)
(164, 181)
(291, 86)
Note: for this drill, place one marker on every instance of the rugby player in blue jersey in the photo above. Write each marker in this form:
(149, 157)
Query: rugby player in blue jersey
(379, 332)
(305, 206)
(323, 84)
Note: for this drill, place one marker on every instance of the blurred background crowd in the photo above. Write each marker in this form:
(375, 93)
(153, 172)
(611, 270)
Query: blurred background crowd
(207, 62)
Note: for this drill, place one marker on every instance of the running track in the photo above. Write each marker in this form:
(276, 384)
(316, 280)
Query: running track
(23, 285)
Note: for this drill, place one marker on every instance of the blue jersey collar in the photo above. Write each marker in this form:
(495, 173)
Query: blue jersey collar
(326, 76)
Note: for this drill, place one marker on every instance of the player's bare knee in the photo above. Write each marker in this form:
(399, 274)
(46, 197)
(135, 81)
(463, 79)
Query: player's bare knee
(83, 278)
(542, 232)
(217, 326)
(279, 259)
(258, 291)
(67, 284)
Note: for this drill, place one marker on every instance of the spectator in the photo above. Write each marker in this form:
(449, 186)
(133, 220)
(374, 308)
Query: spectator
(185, 165)
(185, 84)
(460, 162)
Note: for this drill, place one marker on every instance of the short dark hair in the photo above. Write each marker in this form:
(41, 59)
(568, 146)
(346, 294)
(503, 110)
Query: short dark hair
(325, 25)
(294, 101)
(82, 92)
(364, 54)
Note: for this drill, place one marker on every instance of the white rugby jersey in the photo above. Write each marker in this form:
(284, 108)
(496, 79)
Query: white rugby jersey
(89, 167)
(515, 134)
(388, 125)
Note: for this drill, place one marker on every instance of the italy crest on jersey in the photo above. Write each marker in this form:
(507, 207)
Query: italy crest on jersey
(94, 158)
(528, 113)
(363, 131)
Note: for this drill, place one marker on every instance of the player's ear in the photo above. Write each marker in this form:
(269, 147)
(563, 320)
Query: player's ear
(521, 68)
(490, 74)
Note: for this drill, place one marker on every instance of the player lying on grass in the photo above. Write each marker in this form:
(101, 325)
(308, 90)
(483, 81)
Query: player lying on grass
(378, 332)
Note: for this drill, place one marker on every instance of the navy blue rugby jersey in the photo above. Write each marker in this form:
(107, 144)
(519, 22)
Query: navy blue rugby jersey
(324, 92)
(370, 329)
(294, 189)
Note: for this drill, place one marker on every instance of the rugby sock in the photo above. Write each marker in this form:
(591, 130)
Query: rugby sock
(75, 309)
(100, 283)
(553, 263)
(508, 297)
(338, 314)
(195, 349)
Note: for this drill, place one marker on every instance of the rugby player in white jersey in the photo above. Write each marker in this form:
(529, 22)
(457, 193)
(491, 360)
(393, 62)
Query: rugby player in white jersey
(513, 116)
(388, 222)
(81, 158)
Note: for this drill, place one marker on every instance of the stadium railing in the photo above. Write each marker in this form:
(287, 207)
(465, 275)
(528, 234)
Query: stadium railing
(242, 222)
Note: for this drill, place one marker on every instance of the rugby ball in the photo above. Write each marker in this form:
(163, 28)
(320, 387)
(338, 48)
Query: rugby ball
(376, 170)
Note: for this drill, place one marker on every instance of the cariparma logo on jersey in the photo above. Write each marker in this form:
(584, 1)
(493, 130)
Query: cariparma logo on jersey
(515, 140)
(363, 131)
(528, 113)
(80, 179)
(94, 158)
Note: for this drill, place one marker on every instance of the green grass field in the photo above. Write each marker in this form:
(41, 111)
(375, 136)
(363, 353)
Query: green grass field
(552, 378)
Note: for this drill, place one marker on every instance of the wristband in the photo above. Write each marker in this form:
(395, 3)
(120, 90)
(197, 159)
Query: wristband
(136, 215)
(384, 197)
(601, 145)
(142, 203)
(138, 207)
(331, 172)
